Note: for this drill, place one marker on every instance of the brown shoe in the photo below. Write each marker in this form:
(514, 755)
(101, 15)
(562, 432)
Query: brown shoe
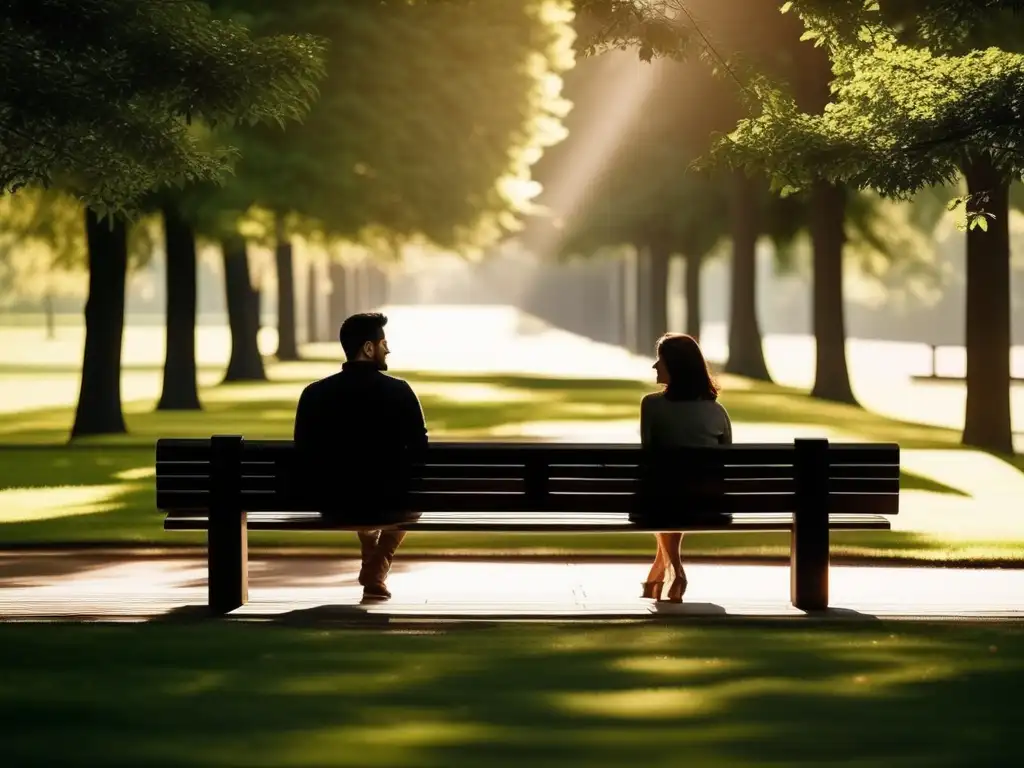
(376, 592)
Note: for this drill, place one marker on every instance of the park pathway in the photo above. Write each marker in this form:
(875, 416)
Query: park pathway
(95, 587)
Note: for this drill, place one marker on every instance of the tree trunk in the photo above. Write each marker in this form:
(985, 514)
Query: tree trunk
(180, 388)
(828, 235)
(642, 317)
(312, 316)
(370, 282)
(987, 422)
(51, 321)
(99, 399)
(657, 308)
(380, 287)
(287, 345)
(338, 310)
(246, 363)
(618, 302)
(360, 288)
(692, 294)
(746, 354)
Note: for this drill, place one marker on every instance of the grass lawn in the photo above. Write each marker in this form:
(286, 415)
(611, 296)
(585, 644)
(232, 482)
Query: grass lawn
(903, 694)
(101, 490)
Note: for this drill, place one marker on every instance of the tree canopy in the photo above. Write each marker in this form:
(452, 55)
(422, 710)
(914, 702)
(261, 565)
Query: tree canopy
(100, 95)
(903, 116)
(428, 122)
(922, 95)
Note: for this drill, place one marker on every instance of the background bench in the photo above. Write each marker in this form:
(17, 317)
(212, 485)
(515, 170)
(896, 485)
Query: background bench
(226, 485)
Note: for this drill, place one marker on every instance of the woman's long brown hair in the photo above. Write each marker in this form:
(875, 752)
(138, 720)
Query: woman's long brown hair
(689, 377)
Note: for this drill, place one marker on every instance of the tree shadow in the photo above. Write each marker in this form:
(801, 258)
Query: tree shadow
(34, 570)
(551, 695)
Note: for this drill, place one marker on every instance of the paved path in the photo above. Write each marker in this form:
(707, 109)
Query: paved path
(91, 588)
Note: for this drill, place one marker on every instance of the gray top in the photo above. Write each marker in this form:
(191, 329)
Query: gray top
(683, 423)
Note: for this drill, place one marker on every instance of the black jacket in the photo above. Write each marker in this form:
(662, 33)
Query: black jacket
(355, 433)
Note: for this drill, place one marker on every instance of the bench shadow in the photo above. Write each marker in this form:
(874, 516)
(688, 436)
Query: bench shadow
(667, 610)
(362, 614)
(375, 613)
(841, 613)
(713, 610)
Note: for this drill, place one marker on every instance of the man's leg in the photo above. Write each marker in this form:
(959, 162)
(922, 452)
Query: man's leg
(379, 564)
(367, 545)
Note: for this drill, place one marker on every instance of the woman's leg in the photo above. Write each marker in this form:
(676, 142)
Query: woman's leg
(673, 546)
(660, 564)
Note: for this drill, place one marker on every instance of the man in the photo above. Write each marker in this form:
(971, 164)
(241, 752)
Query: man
(354, 433)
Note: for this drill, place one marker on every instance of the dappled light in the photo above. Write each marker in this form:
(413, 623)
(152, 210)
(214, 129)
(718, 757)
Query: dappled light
(24, 505)
(556, 387)
(639, 704)
(414, 699)
(515, 209)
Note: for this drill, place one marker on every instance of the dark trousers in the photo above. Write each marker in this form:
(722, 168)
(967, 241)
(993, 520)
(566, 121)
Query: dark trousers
(378, 550)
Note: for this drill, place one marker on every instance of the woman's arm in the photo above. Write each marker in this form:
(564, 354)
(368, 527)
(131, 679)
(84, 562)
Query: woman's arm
(646, 423)
(726, 436)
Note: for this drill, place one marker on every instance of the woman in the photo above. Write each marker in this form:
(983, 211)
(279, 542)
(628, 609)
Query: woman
(686, 413)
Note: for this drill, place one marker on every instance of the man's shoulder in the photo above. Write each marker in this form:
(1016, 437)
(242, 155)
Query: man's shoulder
(395, 381)
(340, 380)
(320, 385)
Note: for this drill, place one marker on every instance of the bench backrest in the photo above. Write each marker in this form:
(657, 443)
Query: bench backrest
(259, 475)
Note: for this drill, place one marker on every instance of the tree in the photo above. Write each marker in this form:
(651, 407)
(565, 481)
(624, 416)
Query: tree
(408, 141)
(99, 94)
(720, 106)
(180, 390)
(42, 247)
(647, 197)
(231, 75)
(915, 105)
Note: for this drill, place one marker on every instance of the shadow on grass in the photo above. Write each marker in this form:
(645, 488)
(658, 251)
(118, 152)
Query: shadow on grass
(171, 695)
(239, 409)
(27, 369)
(913, 482)
(267, 411)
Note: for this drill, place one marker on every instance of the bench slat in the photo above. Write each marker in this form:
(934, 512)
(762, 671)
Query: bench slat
(573, 472)
(516, 453)
(576, 522)
(841, 503)
(594, 486)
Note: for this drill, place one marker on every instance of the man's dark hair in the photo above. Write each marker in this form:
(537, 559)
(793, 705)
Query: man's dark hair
(359, 329)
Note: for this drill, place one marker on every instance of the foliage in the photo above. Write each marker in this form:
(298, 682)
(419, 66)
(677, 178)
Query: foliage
(649, 26)
(903, 116)
(430, 119)
(42, 243)
(99, 95)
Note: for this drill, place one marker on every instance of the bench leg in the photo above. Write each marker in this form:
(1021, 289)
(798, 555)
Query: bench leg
(810, 543)
(227, 562)
(809, 560)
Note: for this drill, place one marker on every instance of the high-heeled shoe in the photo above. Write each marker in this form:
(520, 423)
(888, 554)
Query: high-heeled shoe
(677, 589)
(652, 589)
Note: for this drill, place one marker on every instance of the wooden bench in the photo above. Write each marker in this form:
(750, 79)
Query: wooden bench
(226, 485)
